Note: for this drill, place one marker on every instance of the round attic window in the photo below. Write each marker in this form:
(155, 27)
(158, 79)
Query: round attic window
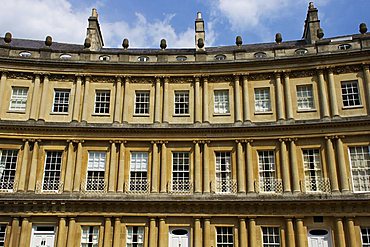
(104, 58)
(25, 54)
(65, 56)
(344, 47)
(181, 58)
(301, 51)
(220, 57)
(143, 59)
(260, 55)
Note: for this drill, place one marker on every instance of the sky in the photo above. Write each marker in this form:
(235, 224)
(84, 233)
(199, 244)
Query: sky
(146, 22)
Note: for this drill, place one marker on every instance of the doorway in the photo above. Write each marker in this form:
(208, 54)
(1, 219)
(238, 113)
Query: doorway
(319, 238)
(43, 236)
(179, 237)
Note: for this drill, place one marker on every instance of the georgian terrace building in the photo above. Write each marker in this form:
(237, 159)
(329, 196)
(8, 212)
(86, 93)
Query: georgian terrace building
(244, 145)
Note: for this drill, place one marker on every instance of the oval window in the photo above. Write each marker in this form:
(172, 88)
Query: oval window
(179, 232)
(104, 58)
(220, 57)
(301, 51)
(181, 58)
(143, 59)
(65, 56)
(344, 47)
(25, 54)
(319, 232)
(260, 55)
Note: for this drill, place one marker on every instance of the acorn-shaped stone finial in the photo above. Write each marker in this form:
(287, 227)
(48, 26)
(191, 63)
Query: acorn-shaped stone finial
(125, 44)
(163, 44)
(320, 33)
(87, 43)
(200, 43)
(8, 38)
(48, 41)
(238, 41)
(278, 38)
(363, 28)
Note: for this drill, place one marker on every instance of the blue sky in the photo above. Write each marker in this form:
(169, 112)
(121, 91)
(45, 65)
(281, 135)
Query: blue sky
(145, 22)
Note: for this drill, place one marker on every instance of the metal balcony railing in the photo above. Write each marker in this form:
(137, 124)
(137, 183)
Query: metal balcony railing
(181, 186)
(361, 183)
(137, 186)
(92, 186)
(49, 186)
(270, 185)
(8, 185)
(317, 184)
(226, 186)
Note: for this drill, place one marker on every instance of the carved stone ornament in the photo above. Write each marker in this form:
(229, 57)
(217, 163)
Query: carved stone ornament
(62, 78)
(182, 80)
(302, 73)
(105, 79)
(260, 77)
(20, 75)
(347, 69)
(149, 80)
(222, 78)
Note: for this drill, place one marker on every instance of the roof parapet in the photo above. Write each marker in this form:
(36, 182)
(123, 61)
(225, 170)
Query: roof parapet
(311, 25)
(94, 33)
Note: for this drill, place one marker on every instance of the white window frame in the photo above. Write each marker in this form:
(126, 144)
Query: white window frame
(8, 167)
(139, 171)
(2, 234)
(61, 100)
(142, 103)
(52, 175)
(95, 174)
(223, 172)
(18, 100)
(102, 102)
(350, 94)
(365, 232)
(181, 99)
(268, 233)
(267, 170)
(221, 101)
(181, 177)
(224, 233)
(262, 100)
(305, 98)
(312, 168)
(135, 236)
(89, 236)
(360, 163)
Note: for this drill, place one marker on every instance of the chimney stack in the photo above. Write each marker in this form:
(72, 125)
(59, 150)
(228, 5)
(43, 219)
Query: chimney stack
(199, 33)
(93, 32)
(311, 25)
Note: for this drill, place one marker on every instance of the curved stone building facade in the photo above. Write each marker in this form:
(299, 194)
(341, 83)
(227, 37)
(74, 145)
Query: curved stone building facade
(244, 145)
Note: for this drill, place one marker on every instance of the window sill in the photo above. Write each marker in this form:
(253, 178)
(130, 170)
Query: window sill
(100, 115)
(181, 115)
(306, 110)
(141, 115)
(59, 113)
(222, 114)
(263, 113)
(14, 111)
(352, 107)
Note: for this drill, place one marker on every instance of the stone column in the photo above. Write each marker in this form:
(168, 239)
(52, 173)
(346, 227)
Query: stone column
(157, 112)
(121, 167)
(241, 167)
(249, 161)
(197, 168)
(324, 108)
(33, 168)
(152, 233)
(290, 238)
(333, 94)
(14, 234)
(107, 232)
(207, 233)
(62, 232)
(23, 175)
(205, 100)
(4, 75)
(162, 233)
(112, 169)
(279, 97)
(247, 117)
(301, 235)
(154, 180)
(71, 231)
(24, 232)
(237, 105)
(294, 166)
(342, 166)
(243, 232)
(331, 164)
(68, 180)
(288, 98)
(77, 100)
(252, 233)
(367, 86)
(118, 105)
(165, 100)
(197, 233)
(284, 166)
(164, 168)
(35, 98)
(351, 232)
(339, 234)
(197, 106)
(77, 178)
(117, 232)
(126, 103)
(44, 97)
(86, 102)
(206, 182)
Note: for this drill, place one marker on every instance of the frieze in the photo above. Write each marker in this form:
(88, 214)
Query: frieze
(260, 77)
(182, 80)
(302, 73)
(149, 80)
(347, 69)
(104, 79)
(20, 75)
(222, 78)
(62, 78)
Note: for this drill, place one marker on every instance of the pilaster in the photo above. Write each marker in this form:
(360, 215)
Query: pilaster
(290, 238)
(367, 86)
(324, 108)
(61, 241)
(33, 168)
(35, 97)
(252, 232)
(86, 103)
(197, 105)
(284, 166)
(279, 97)
(331, 164)
(44, 97)
(205, 100)
(155, 167)
(163, 167)
(24, 167)
(237, 105)
(121, 167)
(113, 167)
(288, 97)
(77, 177)
(197, 168)
(343, 177)
(77, 100)
(107, 232)
(126, 103)
(333, 94)
(246, 106)
(157, 104)
(240, 167)
(165, 101)
(340, 240)
(118, 98)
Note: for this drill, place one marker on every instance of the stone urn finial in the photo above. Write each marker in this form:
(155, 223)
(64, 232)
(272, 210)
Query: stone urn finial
(278, 38)
(125, 44)
(363, 28)
(87, 43)
(238, 41)
(163, 44)
(200, 43)
(48, 41)
(8, 38)
(310, 5)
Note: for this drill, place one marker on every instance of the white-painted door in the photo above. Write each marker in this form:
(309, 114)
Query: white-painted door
(43, 236)
(179, 237)
(319, 238)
